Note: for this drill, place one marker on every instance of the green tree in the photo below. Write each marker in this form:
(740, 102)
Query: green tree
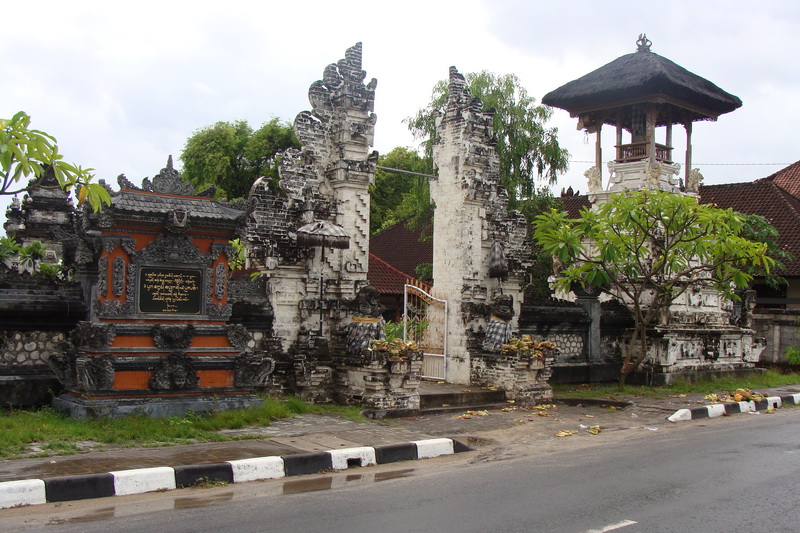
(30, 154)
(396, 196)
(647, 248)
(231, 156)
(758, 229)
(528, 150)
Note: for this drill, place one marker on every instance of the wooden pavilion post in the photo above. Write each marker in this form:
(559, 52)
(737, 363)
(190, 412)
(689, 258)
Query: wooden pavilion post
(598, 151)
(688, 168)
(650, 137)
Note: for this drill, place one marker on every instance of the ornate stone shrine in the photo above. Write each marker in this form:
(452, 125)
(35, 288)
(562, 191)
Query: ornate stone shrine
(157, 340)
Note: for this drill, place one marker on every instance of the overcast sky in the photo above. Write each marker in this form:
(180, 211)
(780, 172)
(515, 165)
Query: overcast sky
(122, 85)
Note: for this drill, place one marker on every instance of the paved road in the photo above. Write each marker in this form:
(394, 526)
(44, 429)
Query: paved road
(740, 473)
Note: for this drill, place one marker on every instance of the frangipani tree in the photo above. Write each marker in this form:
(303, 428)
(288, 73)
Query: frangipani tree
(647, 248)
(27, 153)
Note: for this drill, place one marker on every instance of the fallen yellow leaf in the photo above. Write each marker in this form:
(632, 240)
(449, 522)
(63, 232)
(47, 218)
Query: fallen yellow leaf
(565, 433)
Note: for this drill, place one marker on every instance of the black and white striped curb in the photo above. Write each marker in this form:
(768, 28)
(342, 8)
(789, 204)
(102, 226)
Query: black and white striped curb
(125, 482)
(729, 408)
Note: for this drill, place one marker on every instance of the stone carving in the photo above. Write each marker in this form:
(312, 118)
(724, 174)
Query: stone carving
(368, 324)
(118, 276)
(498, 266)
(499, 329)
(594, 179)
(238, 336)
(168, 181)
(220, 278)
(125, 183)
(748, 305)
(94, 373)
(175, 372)
(102, 275)
(653, 175)
(172, 248)
(694, 180)
(63, 366)
(253, 369)
(177, 221)
(175, 336)
(92, 335)
(219, 311)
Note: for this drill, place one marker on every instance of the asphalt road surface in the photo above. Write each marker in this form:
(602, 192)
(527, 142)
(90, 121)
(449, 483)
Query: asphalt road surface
(738, 473)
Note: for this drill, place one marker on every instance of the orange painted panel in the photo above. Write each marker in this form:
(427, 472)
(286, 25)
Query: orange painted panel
(213, 341)
(125, 341)
(215, 378)
(133, 379)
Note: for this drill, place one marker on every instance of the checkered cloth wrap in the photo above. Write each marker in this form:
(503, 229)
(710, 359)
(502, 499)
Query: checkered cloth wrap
(497, 333)
(361, 333)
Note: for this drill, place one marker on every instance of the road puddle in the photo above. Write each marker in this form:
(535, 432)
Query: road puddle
(186, 503)
(335, 482)
(181, 500)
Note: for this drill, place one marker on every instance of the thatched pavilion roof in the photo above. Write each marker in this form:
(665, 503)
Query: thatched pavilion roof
(644, 77)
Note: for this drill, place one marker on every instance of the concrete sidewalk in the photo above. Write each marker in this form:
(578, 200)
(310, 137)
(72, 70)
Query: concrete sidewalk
(319, 438)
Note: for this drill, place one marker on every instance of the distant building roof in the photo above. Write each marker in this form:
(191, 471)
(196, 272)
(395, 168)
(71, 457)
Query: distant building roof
(766, 198)
(574, 203)
(401, 248)
(384, 277)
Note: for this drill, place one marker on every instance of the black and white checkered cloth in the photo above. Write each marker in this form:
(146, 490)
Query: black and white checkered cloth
(497, 333)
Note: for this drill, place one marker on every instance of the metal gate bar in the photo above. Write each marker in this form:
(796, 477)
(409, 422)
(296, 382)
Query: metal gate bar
(418, 327)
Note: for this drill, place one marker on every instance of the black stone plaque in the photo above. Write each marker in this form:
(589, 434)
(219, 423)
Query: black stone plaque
(170, 290)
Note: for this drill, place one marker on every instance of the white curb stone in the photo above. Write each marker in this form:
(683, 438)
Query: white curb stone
(257, 468)
(365, 454)
(716, 409)
(22, 492)
(747, 407)
(774, 401)
(796, 398)
(680, 415)
(433, 448)
(141, 480)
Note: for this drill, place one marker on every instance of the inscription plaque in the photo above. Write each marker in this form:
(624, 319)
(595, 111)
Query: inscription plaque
(170, 290)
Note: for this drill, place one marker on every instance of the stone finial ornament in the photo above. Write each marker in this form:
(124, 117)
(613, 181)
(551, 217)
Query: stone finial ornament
(694, 180)
(643, 43)
(594, 178)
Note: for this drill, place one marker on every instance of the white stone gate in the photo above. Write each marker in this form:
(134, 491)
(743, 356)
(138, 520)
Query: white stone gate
(425, 322)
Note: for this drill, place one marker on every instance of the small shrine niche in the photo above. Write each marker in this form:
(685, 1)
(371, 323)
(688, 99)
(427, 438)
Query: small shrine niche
(158, 341)
(638, 94)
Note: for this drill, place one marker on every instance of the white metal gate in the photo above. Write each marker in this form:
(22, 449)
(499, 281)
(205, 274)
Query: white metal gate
(425, 322)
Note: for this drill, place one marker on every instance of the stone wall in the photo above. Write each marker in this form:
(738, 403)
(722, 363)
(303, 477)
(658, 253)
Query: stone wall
(780, 330)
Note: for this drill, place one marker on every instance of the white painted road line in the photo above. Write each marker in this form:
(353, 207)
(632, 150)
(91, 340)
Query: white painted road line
(612, 527)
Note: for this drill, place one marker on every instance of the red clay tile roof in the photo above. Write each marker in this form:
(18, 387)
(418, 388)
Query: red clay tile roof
(384, 277)
(401, 248)
(788, 179)
(573, 204)
(764, 197)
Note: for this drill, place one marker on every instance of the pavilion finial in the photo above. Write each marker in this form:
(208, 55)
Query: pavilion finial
(643, 44)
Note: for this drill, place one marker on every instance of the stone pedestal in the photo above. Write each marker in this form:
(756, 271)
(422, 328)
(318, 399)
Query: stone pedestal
(381, 384)
(522, 376)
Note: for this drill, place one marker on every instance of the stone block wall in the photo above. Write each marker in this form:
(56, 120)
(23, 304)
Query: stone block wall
(780, 330)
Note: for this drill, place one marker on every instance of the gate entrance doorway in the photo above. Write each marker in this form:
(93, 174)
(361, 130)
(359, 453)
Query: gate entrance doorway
(425, 322)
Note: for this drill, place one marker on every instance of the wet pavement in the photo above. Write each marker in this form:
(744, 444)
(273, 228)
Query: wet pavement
(502, 425)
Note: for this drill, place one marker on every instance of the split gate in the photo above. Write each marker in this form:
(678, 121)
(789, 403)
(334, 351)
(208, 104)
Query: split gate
(425, 322)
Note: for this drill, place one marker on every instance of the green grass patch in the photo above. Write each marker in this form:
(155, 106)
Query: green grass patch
(55, 434)
(767, 380)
